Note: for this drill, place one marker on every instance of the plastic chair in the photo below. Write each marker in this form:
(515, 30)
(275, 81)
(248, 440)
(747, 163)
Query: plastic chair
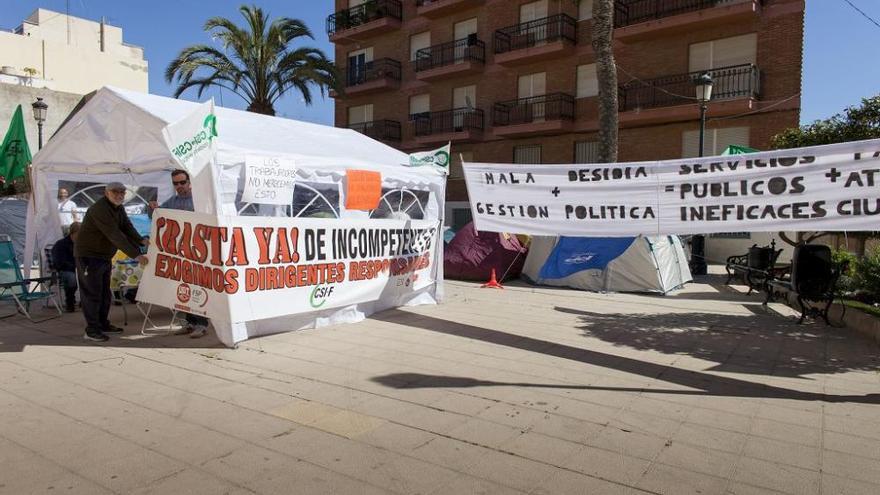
(21, 290)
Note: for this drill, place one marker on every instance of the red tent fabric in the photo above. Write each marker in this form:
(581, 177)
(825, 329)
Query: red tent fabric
(472, 256)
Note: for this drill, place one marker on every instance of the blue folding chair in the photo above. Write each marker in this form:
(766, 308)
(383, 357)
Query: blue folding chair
(23, 291)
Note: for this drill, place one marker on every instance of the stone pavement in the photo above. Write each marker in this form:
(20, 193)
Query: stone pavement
(526, 390)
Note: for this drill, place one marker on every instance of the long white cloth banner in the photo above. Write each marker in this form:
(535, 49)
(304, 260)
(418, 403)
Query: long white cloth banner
(249, 268)
(822, 188)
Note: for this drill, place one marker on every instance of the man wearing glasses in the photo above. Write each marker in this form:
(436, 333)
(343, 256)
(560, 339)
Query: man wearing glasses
(105, 229)
(196, 326)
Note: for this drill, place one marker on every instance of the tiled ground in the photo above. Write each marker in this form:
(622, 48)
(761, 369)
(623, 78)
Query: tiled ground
(524, 390)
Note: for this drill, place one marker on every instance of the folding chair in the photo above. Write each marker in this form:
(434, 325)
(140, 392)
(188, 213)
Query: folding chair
(21, 290)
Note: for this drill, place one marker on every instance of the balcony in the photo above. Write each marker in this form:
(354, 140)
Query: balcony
(454, 58)
(376, 75)
(380, 130)
(536, 40)
(365, 20)
(537, 115)
(439, 8)
(459, 125)
(734, 90)
(636, 20)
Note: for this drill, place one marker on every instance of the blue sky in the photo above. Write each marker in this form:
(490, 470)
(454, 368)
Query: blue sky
(839, 48)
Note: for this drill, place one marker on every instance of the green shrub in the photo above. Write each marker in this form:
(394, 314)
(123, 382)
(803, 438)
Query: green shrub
(868, 273)
(847, 283)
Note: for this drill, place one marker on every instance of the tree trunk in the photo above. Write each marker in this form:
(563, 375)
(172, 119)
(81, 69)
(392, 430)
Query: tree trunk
(262, 107)
(606, 72)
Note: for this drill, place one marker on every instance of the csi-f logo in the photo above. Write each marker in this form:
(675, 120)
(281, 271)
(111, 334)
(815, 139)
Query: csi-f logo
(320, 294)
(199, 141)
(184, 293)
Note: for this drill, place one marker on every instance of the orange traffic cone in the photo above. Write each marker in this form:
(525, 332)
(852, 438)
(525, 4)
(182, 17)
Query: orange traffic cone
(492, 283)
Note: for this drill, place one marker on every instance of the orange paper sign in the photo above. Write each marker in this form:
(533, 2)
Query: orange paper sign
(363, 189)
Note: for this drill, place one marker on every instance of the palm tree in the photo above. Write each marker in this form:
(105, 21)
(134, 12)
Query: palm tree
(602, 34)
(258, 62)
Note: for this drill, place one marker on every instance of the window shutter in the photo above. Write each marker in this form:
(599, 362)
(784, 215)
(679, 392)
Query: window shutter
(417, 42)
(586, 152)
(730, 135)
(464, 95)
(464, 28)
(360, 114)
(532, 85)
(700, 57)
(420, 104)
(527, 154)
(532, 11)
(585, 10)
(587, 83)
(738, 50)
(716, 141)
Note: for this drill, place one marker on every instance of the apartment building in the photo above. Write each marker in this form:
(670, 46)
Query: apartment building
(515, 80)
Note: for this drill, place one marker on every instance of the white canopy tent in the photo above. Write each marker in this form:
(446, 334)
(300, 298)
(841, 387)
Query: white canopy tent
(117, 136)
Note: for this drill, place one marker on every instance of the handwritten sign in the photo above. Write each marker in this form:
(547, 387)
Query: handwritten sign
(268, 180)
(363, 189)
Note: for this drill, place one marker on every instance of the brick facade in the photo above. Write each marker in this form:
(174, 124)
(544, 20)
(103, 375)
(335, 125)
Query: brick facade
(661, 50)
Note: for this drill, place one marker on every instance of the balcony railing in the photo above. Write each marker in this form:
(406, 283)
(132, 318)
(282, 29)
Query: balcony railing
(382, 130)
(629, 12)
(448, 121)
(555, 106)
(469, 49)
(372, 71)
(560, 27)
(362, 14)
(737, 81)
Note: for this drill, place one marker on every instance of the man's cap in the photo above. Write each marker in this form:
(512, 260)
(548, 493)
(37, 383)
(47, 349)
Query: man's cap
(115, 186)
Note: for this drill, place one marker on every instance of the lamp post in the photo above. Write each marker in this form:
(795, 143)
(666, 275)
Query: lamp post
(40, 109)
(703, 87)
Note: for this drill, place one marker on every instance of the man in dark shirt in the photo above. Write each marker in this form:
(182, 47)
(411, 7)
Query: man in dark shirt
(105, 229)
(65, 264)
(196, 326)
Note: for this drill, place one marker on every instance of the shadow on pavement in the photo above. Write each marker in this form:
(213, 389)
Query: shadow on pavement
(702, 383)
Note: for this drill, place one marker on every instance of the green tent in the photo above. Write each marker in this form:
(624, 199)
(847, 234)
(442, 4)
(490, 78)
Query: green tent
(15, 154)
(735, 149)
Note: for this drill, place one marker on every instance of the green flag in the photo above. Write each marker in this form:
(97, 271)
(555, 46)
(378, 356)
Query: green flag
(15, 155)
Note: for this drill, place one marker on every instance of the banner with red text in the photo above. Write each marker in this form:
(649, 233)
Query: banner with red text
(250, 268)
(822, 188)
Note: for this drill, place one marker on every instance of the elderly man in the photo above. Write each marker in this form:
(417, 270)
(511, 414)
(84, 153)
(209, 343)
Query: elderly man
(196, 326)
(105, 229)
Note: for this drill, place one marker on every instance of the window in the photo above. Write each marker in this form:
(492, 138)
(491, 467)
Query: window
(724, 52)
(419, 105)
(731, 235)
(585, 10)
(532, 85)
(360, 114)
(527, 154)
(587, 83)
(460, 218)
(533, 11)
(464, 28)
(586, 152)
(464, 97)
(456, 171)
(357, 65)
(716, 140)
(417, 42)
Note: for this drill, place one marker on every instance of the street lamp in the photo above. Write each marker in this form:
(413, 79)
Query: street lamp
(40, 109)
(703, 87)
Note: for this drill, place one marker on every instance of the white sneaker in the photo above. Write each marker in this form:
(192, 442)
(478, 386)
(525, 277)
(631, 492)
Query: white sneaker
(198, 331)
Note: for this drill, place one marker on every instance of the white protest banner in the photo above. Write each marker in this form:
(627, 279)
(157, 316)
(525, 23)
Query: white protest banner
(822, 188)
(438, 159)
(268, 180)
(192, 141)
(251, 268)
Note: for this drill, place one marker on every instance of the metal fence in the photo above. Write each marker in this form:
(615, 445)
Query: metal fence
(727, 82)
(554, 106)
(456, 120)
(628, 12)
(469, 49)
(534, 33)
(362, 14)
(372, 71)
(385, 130)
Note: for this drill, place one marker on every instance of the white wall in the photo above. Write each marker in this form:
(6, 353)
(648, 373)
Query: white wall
(60, 106)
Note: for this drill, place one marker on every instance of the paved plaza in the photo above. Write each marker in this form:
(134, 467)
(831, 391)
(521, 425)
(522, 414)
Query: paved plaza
(525, 390)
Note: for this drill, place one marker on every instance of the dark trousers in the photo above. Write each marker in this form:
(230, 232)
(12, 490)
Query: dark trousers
(94, 291)
(195, 320)
(68, 282)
